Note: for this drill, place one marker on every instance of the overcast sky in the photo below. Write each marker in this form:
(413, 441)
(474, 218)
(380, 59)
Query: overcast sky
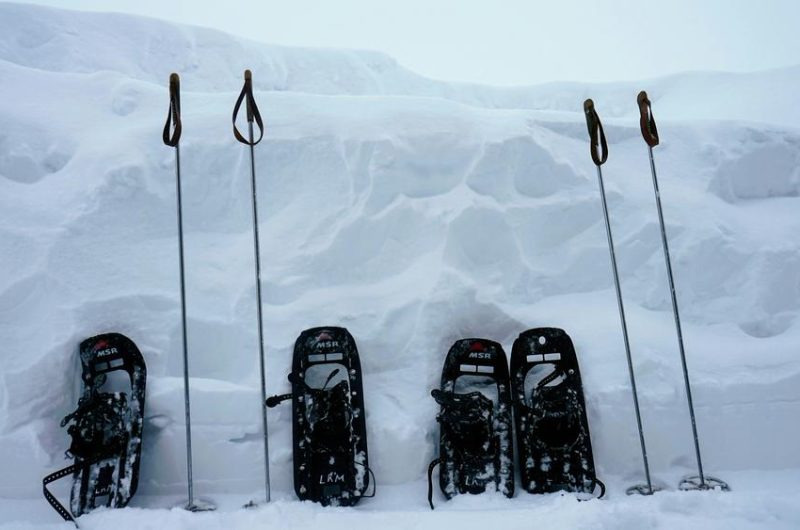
(510, 42)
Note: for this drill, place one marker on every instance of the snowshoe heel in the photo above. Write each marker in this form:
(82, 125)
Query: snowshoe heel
(475, 440)
(553, 443)
(468, 418)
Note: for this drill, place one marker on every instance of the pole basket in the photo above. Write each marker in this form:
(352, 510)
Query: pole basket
(694, 483)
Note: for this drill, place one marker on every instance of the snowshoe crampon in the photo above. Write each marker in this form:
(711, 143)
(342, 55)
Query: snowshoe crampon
(329, 424)
(106, 428)
(475, 440)
(553, 443)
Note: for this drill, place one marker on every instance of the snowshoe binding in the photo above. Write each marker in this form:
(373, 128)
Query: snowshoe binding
(553, 443)
(106, 429)
(475, 433)
(329, 424)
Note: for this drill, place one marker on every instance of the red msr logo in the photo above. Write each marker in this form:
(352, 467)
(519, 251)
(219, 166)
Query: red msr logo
(324, 340)
(478, 351)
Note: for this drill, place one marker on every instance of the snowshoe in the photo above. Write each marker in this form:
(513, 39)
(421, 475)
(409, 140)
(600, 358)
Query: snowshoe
(475, 433)
(553, 443)
(106, 429)
(329, 425)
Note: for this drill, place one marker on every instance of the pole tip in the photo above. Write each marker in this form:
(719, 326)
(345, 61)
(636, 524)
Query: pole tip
(588, 105)
(248, 75)
(642, 97)
(174, 79)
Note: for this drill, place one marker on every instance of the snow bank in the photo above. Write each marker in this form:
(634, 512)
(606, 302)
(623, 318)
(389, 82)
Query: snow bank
(755, 504)
(411, 211)
(212, 61)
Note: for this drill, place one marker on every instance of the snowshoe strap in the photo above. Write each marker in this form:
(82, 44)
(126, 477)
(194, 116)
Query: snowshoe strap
(274, 401)
(372, 478)
(467, 422)
(329, 415)
(98, 425)
(61, 473)
(468, 419)
(330, 376)
(596, 482)
(554, 416)
(52, 477)
(253, 113)
(552, 376)
(433, 464)
(297, 380)
(451, 400)
(599, 482)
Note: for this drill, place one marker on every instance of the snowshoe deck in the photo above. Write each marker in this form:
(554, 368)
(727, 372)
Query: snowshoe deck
(475, 440)
(106, 429)
(329, 426)
(553, 442)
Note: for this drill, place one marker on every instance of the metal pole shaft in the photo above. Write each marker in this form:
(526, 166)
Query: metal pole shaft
(187, 407)
(622, 320)
(258, 312)
(675, 313)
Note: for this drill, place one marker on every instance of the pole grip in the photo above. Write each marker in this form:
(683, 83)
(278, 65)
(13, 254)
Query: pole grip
(248, 81)
(597, 137)
(647, 122)
(173, 127)
(251, 111)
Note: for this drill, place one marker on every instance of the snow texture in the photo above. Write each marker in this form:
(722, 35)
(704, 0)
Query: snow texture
(414, 213)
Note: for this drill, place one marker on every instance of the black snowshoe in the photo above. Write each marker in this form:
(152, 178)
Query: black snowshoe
(553, 443)
(106, 429)
(475, 433)
(329, 424)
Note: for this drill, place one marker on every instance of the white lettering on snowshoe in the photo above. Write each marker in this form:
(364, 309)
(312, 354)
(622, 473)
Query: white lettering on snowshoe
(331, 478)
(480, 355)
(474, 480)
(106, 352)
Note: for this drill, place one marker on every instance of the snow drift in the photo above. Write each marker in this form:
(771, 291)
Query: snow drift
(411, 211)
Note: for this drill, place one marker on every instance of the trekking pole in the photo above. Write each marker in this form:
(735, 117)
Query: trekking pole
(650, 134)
(598, 140)
(171, 136)
(253, 114)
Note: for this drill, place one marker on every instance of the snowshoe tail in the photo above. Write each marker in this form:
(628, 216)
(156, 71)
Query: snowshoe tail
(106, 429)
(475, 435)
(553, 442)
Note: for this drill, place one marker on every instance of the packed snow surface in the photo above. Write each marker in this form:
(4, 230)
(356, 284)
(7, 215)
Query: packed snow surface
(414, 213)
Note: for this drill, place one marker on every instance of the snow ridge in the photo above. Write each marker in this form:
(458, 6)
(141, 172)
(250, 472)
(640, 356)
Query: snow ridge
(211, 61)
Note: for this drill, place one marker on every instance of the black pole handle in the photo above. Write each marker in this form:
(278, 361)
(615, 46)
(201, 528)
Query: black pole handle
(597, 138)
(646, 121)
(253, 113)
(173, 127)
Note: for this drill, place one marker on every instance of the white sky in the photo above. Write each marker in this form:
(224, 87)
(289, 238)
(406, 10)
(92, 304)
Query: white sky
(510, 42)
